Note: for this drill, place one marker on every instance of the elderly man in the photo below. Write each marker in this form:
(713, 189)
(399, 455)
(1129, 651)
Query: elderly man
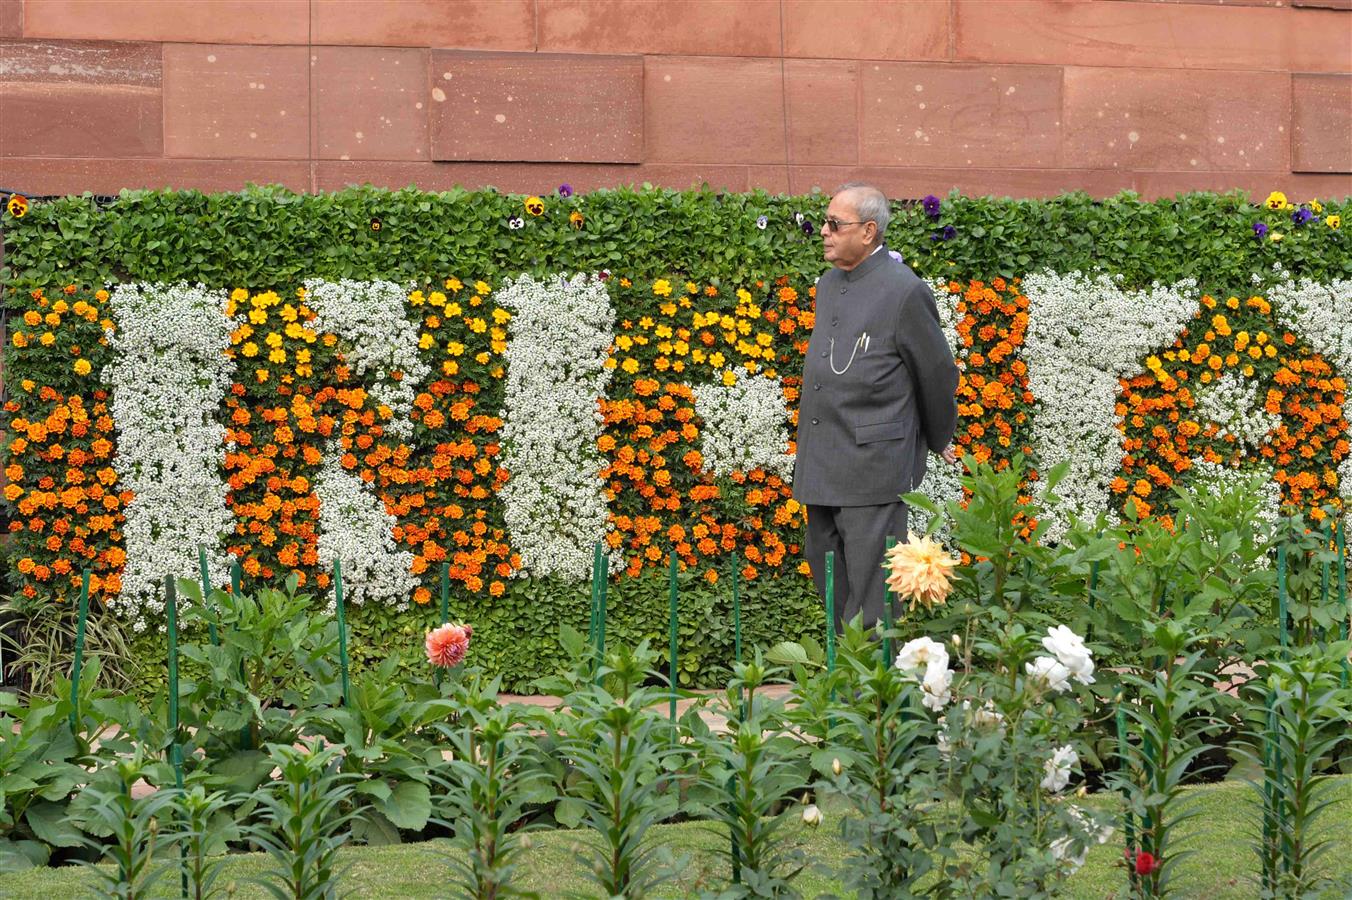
(878, 393)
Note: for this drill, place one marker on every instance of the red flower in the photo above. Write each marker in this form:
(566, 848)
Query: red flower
(1142, 861)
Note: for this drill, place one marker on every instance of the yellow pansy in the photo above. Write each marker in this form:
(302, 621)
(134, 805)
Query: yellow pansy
(1276, 201)
(1335, 222)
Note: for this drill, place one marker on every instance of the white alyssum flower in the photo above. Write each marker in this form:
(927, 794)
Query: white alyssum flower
(1216, 479)
(1059, 768)
(377, 338)
(1083, 335)
(746, 425)
(169, 376)
(1070, 651)
(1236, 405)
(1049, 673)
(554, 505)
(356, 529)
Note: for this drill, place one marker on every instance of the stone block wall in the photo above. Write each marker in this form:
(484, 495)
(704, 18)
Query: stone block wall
(1010, 97)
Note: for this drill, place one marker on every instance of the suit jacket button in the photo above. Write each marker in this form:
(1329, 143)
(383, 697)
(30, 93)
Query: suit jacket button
(816, 387)
(823, 353)
(814, 422)
(844, 289)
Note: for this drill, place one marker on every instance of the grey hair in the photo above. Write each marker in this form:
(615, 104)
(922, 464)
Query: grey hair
(870, 204)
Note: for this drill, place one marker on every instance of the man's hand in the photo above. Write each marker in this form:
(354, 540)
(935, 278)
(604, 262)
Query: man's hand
(950, 456)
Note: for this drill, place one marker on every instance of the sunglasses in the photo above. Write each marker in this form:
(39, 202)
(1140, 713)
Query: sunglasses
(834, 224)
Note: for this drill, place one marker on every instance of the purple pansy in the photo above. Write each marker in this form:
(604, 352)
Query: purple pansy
(807, 228)
(1301, 216)
(932, 205)
(565, 190)
(1260, 229)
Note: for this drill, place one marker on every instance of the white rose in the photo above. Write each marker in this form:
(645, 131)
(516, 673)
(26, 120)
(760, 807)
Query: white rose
(1049, 672)
(1069, 649)
(1090, 833)
(935, 687)
(922, 653)
(984, 716)
(1059, 768)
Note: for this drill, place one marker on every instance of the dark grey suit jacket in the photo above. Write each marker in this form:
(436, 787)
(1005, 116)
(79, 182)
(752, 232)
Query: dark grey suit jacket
(865, 423)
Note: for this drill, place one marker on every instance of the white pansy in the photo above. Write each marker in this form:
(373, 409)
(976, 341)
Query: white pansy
(169, 377)
(1083, 335)
(746, 426)
(1049, 673)
(1236, 405)
(376, 338)
(1070, 651)
(554, 505)
(355, 527)
(1059, 768)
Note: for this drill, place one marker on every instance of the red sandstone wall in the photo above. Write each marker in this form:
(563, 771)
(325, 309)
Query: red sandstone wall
(1021, 97)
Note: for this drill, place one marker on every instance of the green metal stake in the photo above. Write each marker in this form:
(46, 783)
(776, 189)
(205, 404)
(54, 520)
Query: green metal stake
(1128, 820)
(445, 593)
(737, 657)
(83, 617)
(445, 610)
(595, 594)
(1324, 574)
(830, 611)
(1341, 543)
(342, 625)
(236, 586)
(672, 626)
(1281, 597)
(175, 750)
(604, 569)
(887, 612)
(206, 591)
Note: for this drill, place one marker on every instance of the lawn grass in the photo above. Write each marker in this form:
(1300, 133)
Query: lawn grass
(1220, 868)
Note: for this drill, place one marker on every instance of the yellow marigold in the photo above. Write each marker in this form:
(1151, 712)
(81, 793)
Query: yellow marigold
(482, 287)
(920, 571)
(82, 367)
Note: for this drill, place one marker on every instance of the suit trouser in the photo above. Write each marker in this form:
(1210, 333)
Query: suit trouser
(858, 537)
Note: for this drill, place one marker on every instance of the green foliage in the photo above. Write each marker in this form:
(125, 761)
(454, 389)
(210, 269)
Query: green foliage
(622, 753)
(38, 641)
(1169, 720)
(1296, 718)
(747, 783)
(487, 786)
(185, 235)
(133, 822)
(301, 824)
(203, 826)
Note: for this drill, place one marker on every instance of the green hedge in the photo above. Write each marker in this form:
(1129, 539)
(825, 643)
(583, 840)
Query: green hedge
(270, 237)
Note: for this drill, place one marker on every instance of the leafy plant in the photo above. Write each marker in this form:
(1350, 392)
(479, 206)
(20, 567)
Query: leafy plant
(133, 823)
(301, 824)
(487, 787)
(203, 826)
(622, 754)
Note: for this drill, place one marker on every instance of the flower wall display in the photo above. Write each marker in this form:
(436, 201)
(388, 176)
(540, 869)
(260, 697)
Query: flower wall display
(498, 426)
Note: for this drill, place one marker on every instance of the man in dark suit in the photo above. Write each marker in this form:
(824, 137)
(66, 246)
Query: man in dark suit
(879, 386)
